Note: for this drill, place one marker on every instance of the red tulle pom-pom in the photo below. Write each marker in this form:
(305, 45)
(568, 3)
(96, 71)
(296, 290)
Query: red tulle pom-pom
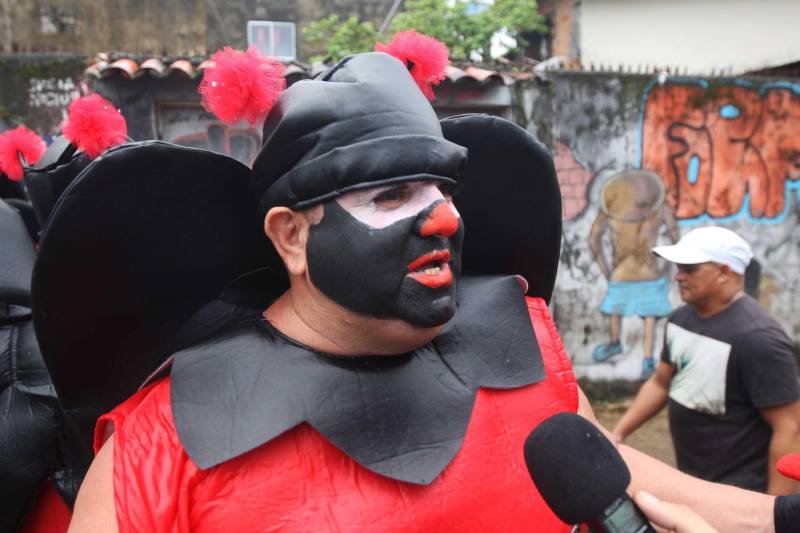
(94, 125)
(424, 56)
(23, 141)
(241, 85)
(789, 465)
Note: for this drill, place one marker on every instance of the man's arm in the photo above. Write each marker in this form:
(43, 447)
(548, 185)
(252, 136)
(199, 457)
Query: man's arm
(725, 507)
(785, 423)
(651, 398)
(599, 227)
(95, 510)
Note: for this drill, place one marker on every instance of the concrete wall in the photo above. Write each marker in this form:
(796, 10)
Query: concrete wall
(160, 27)
(703, 35)
(640, 163)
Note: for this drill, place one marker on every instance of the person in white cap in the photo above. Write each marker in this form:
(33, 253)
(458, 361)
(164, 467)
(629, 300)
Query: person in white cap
(728, 371)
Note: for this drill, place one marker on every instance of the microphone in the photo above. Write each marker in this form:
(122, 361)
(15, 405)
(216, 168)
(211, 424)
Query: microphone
(582, 476)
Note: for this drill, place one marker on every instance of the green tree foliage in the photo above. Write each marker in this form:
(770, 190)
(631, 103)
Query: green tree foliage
(341, 38)
(460, 24)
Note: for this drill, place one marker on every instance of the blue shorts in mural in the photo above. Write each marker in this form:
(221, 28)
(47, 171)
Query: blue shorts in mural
(642, 298)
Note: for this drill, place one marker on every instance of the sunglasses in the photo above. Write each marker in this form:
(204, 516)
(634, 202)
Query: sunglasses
(691, 269)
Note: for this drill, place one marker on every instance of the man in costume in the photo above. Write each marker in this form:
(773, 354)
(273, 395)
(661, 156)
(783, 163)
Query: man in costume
(379, 390)
(45, 451)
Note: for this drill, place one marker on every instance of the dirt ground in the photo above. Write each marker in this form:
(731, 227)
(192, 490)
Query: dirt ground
(652, 438)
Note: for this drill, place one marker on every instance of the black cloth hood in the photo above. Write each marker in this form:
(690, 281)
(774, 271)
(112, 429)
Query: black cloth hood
(402, 416)
(17, 257)
(47, 180)
(362, 123)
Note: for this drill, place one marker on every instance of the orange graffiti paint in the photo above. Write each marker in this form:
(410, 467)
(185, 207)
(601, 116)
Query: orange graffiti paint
(713, 146)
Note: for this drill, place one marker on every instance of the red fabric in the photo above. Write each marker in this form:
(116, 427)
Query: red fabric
(426, 58)
(241, 85)
(300, 482)
(23, 141)
(49, 513)
(94, 125)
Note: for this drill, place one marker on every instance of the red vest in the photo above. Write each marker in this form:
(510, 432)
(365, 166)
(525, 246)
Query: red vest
(301, 482)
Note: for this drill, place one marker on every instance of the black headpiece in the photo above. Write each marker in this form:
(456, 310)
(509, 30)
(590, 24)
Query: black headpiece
(141, 239)
(510, 202)
(52, 174)
(362, 123)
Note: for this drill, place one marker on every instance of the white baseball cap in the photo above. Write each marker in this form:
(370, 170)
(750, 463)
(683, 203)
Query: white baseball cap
(712, 243)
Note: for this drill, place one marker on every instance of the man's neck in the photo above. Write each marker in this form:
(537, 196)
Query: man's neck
(325, 326)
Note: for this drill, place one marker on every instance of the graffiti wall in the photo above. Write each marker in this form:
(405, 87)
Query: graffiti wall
(642, 162)
(35, 91)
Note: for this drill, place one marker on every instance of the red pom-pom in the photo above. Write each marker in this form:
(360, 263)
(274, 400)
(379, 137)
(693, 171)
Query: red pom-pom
(23, 141)
(789, 465)
(241, 85)
(94, 125)
(424, 56)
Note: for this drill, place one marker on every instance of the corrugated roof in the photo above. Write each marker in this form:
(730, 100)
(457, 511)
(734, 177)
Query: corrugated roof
(132, 67)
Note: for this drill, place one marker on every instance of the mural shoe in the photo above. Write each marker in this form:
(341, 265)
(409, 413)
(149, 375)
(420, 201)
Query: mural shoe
(604, 352)
(648, 367)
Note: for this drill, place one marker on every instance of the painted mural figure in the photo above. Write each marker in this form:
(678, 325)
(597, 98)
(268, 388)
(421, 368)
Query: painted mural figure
(632, 211)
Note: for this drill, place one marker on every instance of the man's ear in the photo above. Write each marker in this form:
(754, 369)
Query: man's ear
(725, 273)
(288, 231)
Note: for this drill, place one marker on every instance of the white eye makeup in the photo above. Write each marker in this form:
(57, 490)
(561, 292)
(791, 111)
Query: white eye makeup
(379, 207)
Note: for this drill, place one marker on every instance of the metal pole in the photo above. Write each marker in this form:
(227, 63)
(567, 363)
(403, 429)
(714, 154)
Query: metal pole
(389, 16)
(9, 36)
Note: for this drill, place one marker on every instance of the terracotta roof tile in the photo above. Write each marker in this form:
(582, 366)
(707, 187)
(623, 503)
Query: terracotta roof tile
(131, 67)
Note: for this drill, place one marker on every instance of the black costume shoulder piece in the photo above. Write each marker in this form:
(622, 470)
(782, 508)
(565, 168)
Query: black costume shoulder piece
(235, 393)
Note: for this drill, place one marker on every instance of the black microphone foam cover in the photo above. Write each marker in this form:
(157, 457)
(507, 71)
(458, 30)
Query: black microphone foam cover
(577, 470)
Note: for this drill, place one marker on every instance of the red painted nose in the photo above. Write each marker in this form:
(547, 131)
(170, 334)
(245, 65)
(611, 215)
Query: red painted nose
(442, 221)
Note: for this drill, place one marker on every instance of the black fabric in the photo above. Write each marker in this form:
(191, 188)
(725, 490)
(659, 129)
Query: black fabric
(29, 425)
(727, 440)
(25, 210)
(236, 392)
(509, 200)
(38, 439)
(787, 514)
(365, 269)
(11, 189)
(17, 257)
(145, 236)
(362, 123)
(51, 175)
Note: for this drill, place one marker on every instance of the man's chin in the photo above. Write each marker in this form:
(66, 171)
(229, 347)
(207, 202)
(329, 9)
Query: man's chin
(431, 311)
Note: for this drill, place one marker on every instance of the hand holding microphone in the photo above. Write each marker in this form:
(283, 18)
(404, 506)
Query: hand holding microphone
(672, 517)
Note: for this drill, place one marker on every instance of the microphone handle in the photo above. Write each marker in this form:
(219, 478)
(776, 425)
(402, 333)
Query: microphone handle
(622, 516)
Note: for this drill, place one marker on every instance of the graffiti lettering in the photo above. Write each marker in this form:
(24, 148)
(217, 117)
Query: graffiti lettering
(52, 92)
(723, 151)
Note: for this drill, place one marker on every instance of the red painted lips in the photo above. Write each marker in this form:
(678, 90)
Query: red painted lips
(432, 269)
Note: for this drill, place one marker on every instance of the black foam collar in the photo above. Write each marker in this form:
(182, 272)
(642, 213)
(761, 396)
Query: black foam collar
(402, 416)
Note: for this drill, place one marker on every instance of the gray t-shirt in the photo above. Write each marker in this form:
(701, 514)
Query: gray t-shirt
(727, 367)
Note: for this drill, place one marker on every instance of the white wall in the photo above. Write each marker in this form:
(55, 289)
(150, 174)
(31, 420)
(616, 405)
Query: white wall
(699, 35)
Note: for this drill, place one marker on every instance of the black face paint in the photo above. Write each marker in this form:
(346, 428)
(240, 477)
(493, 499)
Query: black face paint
(365, 269)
